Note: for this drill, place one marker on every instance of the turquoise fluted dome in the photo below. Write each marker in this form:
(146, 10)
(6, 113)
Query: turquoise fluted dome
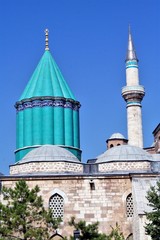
(47, 111)
(47, 80)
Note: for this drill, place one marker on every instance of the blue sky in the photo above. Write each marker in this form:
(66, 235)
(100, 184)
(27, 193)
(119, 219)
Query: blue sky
(88, 40)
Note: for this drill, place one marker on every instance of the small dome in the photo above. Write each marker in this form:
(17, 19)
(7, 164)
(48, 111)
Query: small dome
(116, 136)
(49, 153)
(124, 153)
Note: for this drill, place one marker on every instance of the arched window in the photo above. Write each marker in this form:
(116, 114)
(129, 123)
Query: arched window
(118, 144)
(56, 236)
(56, 204)
(129, 205)
(130, 237)
(111, 145)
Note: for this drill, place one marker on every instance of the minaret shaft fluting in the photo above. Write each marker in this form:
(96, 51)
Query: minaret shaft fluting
(133, 94)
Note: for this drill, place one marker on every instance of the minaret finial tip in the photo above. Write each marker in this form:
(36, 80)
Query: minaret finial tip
(129, 28)
(131, 53)
(46, 39)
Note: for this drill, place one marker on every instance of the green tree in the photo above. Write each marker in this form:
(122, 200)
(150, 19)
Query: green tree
(90, 231)
(153, 227)
(22, 215)
(116, 233)
(87, 231)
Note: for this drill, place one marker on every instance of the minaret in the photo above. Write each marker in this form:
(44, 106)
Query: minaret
(133, 94)
(47, 111)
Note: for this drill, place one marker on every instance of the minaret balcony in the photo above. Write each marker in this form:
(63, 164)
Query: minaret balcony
(133, 93)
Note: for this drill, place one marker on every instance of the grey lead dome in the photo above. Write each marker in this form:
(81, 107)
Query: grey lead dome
(49, 153)
(117, 136)
(124, 153)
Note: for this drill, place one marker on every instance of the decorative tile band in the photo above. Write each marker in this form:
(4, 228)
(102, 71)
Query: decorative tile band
(64, 103)
(134, 104)
(131, 64)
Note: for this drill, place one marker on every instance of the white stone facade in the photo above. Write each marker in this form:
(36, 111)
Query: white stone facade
(132, 78)
(134, 122)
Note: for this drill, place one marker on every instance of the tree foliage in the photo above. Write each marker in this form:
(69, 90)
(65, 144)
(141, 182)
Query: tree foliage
(116, 233)
(153, 227)
(87, 232)
(23, 216)
(90, 231)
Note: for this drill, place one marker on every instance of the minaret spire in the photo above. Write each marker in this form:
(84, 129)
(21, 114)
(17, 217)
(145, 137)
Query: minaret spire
(131, 53)
(133, 94)
(46, 40)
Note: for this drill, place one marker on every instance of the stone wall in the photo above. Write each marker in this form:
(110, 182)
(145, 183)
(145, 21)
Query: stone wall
(124, 166)
(46, 167)
(104, 203)
(115, 142)
(139, 221)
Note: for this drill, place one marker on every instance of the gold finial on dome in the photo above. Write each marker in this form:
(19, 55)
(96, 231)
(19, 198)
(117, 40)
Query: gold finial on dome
(46, 39)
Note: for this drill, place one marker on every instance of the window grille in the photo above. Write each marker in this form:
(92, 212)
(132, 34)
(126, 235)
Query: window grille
(56, 204)
(129, 205)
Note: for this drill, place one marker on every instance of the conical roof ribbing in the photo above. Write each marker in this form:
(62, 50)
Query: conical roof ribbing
(47, 80)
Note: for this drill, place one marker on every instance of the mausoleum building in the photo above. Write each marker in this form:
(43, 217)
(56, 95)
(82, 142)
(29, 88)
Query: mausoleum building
(109, 188)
